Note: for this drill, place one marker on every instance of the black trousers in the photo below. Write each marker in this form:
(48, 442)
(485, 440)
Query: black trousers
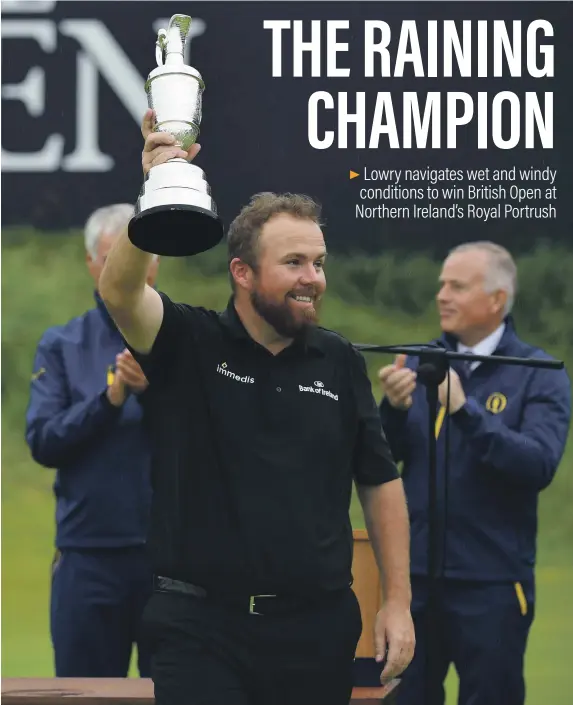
(207, 653)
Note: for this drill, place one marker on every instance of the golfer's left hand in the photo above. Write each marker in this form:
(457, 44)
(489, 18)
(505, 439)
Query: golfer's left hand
(394, 639)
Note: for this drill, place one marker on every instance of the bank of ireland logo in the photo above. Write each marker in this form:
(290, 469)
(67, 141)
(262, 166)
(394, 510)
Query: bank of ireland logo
(318, 388)
(223, 369)
(496, 403)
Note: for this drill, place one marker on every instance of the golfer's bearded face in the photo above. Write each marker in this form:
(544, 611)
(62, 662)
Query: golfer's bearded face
(289, 280)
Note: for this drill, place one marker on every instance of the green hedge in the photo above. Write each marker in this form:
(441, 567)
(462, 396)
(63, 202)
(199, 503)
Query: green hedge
(399, 283)
(396, 286)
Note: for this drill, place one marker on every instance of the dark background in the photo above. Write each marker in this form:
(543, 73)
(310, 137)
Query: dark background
(254, 129)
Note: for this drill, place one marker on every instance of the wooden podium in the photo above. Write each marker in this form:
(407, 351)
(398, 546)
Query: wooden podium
(368, 590)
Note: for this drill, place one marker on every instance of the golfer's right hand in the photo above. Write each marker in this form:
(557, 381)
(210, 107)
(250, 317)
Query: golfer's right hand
(398, 383)
(159, 147)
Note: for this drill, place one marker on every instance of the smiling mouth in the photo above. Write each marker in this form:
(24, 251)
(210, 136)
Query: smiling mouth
(301, 298)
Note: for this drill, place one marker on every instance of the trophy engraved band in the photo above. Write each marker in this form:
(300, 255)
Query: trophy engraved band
(175, 214)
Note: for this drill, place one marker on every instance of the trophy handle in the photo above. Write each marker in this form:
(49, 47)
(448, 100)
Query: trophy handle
(160, 47)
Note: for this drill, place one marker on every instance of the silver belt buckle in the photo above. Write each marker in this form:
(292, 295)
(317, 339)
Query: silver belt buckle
(252, 599)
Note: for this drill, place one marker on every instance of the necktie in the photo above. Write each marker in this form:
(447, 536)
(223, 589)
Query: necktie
(468, 363)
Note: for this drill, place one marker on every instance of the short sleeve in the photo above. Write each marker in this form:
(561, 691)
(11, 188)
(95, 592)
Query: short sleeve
(173, 337)
(373, 461)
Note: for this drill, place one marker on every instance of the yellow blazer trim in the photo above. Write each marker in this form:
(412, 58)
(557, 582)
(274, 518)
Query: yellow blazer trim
(440, 420)
(521, 598)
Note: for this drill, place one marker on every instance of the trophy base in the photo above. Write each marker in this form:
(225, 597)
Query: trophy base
(175, 230)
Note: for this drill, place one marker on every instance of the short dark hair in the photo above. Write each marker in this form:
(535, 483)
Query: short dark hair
(244, 231)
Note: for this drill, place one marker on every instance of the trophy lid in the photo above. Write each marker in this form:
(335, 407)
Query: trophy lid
(170, 48)
(176, 37)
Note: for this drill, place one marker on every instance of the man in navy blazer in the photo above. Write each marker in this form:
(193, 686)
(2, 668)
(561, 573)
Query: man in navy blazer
(84, 420)
(507, 431)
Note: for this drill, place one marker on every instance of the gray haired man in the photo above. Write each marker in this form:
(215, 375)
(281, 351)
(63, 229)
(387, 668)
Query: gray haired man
(84, 421)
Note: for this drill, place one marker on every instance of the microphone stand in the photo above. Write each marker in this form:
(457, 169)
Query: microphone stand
(431, 372)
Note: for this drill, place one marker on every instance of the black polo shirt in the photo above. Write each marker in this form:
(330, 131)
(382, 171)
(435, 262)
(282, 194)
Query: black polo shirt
(254, 454)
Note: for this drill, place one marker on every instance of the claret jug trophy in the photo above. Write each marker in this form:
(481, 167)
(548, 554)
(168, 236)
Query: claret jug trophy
(175, 214)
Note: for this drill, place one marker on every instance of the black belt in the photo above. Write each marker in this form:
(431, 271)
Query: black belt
(251, 604)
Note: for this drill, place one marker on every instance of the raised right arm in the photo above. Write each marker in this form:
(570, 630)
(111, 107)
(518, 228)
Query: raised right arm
(137, 308)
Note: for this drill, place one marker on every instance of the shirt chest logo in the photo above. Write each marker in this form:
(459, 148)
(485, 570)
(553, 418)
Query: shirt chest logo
(318, 388)
(222, 369)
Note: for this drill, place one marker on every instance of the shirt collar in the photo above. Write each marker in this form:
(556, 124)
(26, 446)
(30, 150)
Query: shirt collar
(507, 337)
(233, 324)
(488, 345)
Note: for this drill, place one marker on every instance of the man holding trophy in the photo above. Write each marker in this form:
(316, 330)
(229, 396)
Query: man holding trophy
(259, 423)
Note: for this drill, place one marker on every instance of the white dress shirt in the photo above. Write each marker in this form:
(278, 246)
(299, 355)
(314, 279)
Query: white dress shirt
(484, 347)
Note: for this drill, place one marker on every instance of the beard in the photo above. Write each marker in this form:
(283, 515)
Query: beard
(279, 315)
